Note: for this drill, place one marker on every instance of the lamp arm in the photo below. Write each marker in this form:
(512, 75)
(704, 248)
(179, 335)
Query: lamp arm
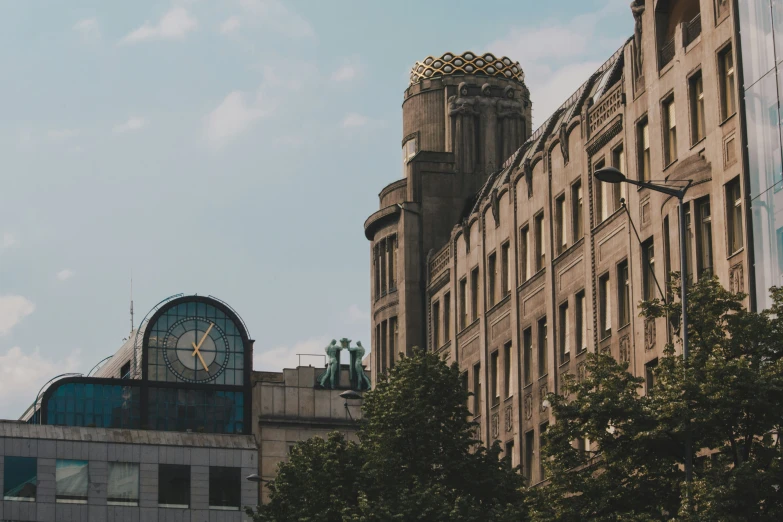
(657, 188)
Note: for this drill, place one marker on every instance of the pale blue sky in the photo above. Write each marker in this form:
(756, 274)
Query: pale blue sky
(230, 147)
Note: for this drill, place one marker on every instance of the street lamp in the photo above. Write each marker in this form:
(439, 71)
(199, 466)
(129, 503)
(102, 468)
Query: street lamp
(612, 175)
(350, 395)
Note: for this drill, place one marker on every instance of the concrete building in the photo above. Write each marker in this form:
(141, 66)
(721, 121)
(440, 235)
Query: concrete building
(500, 250)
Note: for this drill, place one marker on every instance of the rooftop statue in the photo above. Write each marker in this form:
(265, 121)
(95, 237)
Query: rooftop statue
(359, 380)
(331, 377)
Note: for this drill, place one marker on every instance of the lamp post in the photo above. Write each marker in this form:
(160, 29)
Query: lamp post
(612, 175)
(350, 395)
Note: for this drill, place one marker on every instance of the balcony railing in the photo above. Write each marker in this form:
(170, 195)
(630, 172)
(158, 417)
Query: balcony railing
(666, 54)
(691, 30)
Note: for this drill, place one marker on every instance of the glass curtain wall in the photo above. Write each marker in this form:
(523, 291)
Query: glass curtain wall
(761, 36)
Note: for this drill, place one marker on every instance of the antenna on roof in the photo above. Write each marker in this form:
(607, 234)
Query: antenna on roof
(131, 302)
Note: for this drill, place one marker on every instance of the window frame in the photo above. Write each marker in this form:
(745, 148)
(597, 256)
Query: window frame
(697, 107)
(623, 294)
(561, 236)
(669, 129)
(735, 226)
(727, 81)
(187, 490)
(604, 306)
(577, 211)
(643, 149)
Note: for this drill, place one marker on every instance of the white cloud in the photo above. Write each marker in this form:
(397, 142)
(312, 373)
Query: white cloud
(554, 72)
(13, 308)
(275, 16)
(88, 29)
(235, 114)
(8, 240)
(230, 25)
(65, 274)
(62, 134)
(173, 25)
(277, 358)
(346, 73)
(353, 119)
(22, 373)
(133, 123)
(357, 315)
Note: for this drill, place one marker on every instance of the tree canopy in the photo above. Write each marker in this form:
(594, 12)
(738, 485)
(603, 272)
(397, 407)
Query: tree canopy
(728, 397)
(416, 459)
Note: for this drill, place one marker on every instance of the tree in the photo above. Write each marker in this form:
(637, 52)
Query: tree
(728, 398)
(416, 459)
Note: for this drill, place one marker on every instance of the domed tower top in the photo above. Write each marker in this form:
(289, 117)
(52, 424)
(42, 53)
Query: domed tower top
(451, 64)
(475, 106)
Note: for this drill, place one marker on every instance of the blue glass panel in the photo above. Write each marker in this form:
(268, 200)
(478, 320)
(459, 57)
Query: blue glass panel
(764, 154)
(20, 478)
(758, 55)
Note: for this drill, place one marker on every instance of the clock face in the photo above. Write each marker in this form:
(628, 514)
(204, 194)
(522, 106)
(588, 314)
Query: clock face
(196, 349)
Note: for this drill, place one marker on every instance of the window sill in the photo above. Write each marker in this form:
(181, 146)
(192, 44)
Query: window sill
(623, 327)
(736, 252)
(566, 360)
(606, 337)
(224, 508)
(728, 119)
(697, 143)
(18, 499)
(508, 399)
(672, 162)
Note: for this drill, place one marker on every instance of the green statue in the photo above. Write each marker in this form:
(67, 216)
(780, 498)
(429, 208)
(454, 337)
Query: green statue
(331, 377)
(359, 380)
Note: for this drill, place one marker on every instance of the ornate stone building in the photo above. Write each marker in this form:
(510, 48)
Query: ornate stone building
(500, 250)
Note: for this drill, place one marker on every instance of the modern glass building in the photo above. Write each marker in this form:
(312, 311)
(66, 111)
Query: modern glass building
(186, 368)
(760, 25)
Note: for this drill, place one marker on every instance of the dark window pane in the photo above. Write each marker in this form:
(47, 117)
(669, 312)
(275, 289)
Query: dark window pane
(174, 486)
(224, 488)
(20, 478)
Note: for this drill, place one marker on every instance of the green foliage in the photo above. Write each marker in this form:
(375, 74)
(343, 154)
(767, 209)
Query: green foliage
(729, 397)
(416, 459)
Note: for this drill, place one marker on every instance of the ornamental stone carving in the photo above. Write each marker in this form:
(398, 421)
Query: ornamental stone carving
(527, 168)
(528, 406)
(581, 372)
(637, 9)
(466, 234)
(649, 334)
(543, 390)
(625, 349)
(737, 279)
(509, 418)
(564, 142)
(495, 425)
(563, 379)
(494, 202)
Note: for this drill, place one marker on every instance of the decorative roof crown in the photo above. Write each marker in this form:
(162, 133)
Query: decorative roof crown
(467, 63)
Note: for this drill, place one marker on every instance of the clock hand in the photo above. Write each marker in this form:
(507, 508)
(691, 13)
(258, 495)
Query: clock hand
(196, 352)
(202, 339)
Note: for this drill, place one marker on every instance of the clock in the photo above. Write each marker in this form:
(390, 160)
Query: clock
(195, 349)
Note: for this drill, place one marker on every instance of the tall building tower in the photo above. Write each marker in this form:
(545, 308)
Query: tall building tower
(462, 117)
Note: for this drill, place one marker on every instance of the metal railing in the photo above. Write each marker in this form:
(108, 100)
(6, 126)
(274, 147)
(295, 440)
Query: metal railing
(666, 54)
(691, 30)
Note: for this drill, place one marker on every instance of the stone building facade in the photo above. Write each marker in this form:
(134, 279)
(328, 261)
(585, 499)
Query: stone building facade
(500, 250)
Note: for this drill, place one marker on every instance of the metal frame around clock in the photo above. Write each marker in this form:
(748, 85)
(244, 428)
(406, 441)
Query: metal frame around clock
(211, 376)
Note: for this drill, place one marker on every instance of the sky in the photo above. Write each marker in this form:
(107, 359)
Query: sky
(224, 147)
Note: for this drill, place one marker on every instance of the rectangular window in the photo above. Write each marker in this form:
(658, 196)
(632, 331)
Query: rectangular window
(669, 131)
(225, 486)
(123, 486)
(541, 443)
(436, 325)
(530, 438)
(492, 268)
(384, 342)
(618, 189)
(380, 363)
(576, 211)
(540, 249)
(605, 306)
(524, 265)
(477, 389)
(72, 480)
(648, 270)
(505, 274)
(667, 259)
(447, 317)
(509, 453)
(393, 332)
(649, 375)
(604, 194)
(643, 149)
(688, 241)
(696, 93)
(125, 370)
(382, 262)
(376, 262)
(173, 486)
(543, 360)
(728, 101)
(581, 322)
(565, 332)
(507, 369)
(623, 294)
(734, 215)
(527, 344)
(560, 234)
(463, 303)
(20, 478)
(494, 382)
(704, 237)
(474, 294)
(393, 263)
